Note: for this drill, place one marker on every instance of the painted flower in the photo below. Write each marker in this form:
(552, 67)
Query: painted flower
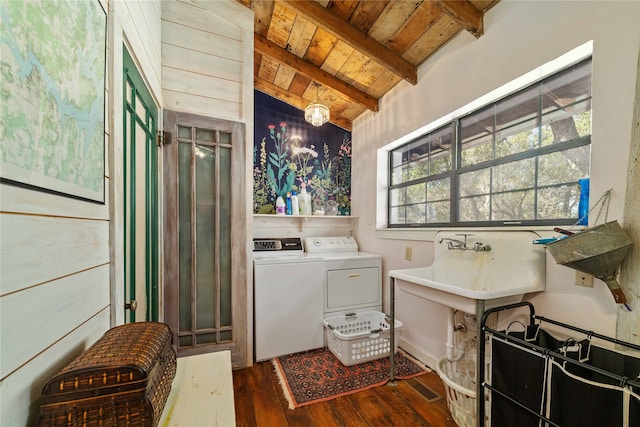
(305, 152)
(263, 152)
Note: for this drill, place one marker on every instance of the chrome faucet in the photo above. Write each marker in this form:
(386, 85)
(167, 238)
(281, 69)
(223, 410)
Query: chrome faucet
(454, 244)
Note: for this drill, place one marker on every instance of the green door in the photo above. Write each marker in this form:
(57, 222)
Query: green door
(140, 171)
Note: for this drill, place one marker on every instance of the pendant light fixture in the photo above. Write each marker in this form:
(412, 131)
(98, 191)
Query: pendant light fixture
(316, 113)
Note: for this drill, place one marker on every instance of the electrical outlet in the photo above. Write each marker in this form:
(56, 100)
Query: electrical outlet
(408, 252)
(584, 279)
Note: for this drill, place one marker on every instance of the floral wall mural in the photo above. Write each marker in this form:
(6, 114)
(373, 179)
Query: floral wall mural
(288, 152)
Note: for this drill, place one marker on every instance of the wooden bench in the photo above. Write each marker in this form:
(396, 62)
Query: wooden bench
(201, 393)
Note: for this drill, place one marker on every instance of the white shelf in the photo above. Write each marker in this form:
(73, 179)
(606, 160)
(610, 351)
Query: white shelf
(302, 222)
(306, 217)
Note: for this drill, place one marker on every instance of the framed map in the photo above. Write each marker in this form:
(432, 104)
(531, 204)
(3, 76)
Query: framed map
(52, 91)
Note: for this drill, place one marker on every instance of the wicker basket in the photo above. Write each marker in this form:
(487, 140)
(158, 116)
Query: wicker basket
(361, 337)
(123, 379)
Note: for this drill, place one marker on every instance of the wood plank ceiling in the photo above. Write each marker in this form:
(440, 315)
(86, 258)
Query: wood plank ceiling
(356, 51)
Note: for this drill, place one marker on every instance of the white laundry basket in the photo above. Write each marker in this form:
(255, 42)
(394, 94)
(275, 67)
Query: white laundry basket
(360, 337)
(459, 380)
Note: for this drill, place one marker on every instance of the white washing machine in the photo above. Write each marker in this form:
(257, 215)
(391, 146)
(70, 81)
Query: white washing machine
(352, 280)
(288, 298)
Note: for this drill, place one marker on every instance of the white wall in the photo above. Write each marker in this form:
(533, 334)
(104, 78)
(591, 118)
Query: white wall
(519, 37)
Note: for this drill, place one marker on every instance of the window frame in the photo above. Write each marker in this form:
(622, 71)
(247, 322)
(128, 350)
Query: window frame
(456, 170)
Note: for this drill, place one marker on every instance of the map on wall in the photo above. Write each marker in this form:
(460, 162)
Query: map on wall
(52, 71)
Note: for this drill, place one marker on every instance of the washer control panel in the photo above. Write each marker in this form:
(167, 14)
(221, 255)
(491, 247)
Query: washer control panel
(330, 244)
(285, 244)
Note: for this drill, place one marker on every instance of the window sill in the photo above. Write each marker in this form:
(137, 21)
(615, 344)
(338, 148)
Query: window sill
(429, 234)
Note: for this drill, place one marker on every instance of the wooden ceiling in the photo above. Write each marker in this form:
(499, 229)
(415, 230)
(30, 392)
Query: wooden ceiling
(356, 51)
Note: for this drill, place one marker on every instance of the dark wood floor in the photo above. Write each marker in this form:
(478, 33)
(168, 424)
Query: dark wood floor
(259, 402)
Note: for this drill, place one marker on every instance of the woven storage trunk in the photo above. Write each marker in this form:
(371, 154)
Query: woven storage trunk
(123, 379)
(360, 337)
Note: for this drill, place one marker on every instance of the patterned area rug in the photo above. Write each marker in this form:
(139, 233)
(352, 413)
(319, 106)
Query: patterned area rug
(317, 375)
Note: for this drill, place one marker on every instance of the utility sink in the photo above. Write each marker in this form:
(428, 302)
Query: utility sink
(458, 278)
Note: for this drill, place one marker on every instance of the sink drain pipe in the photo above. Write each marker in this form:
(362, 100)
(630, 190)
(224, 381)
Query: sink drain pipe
(452, 328)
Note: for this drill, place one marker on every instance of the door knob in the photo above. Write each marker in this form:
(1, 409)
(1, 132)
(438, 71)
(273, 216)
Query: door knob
(131, 305)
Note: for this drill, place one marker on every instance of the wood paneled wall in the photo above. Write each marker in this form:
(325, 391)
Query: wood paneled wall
(206, 50)
(54, 291)
(627, 326)
(58, 282)
(61, 260)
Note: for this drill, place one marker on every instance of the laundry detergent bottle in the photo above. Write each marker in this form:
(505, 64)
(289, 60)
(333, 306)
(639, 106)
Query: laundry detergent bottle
(288, 204)
(304, 200)
(295, 204)
(280, 206)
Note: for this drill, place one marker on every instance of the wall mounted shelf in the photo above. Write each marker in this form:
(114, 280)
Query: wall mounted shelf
(302, 223)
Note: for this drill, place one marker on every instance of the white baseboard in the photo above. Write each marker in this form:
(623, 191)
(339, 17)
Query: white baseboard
(420, 354)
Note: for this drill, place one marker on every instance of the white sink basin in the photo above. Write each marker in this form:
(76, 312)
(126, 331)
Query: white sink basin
(461, 296)
(458, 279)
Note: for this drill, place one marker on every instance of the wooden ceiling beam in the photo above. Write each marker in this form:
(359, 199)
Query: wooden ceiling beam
(465, 14)
(297, 101)
(266, 47)
(341, 29)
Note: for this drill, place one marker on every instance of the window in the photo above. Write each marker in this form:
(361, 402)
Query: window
(516, 161)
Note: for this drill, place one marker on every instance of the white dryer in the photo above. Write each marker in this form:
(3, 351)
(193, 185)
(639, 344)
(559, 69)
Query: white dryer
(352, 279)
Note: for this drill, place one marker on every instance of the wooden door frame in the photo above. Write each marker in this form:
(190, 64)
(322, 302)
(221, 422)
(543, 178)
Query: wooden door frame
(239, 274)
(152, 274)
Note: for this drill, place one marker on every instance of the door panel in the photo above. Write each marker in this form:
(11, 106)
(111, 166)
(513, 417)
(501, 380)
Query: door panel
(140, 220)
(206, 253)
(205, 296)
